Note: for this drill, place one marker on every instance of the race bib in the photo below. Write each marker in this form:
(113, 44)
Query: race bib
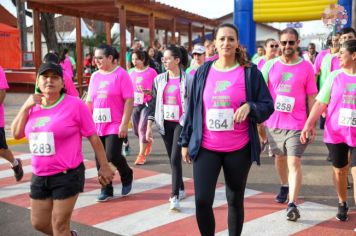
(347, 117)
(101, 115)
(220, 119)
(138, 98)
(171, 112)
(42, 144)
(284, 103)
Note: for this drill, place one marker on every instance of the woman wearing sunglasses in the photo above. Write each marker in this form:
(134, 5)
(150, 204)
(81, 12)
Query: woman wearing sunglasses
(337, 99)
(271, 48)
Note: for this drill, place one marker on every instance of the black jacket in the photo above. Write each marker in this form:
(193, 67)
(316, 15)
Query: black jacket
(258, 97)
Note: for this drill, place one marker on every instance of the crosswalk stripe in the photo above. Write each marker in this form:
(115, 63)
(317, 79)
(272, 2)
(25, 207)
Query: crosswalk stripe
(145, 211)
(142, 221)
(89, 198)
(24, 156)
(311, 214)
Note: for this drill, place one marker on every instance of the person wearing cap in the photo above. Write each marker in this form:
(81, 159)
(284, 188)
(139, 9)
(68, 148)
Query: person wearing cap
(68, 82)
(54, 123)
(199, 59)
(5, 152)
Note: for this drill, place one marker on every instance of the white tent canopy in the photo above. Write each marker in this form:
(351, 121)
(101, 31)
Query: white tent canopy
(115, 32)
(85, 32)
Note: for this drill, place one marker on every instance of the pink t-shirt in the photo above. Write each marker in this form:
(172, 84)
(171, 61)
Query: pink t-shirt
(171, 95)
(69, 85)
(212, 58)
(67, 67)
(319, 59)
(3, 86)
(142, 80)
(261, 63)
(223, 94)
(289, 85)
(340, 94)
(68, 121)
(107, 93)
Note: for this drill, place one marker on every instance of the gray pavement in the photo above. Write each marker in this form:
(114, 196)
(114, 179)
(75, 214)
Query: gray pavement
(317, 176)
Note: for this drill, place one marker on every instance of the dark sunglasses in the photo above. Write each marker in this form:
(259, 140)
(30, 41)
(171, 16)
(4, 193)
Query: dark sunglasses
(274, 46)
(284, 43)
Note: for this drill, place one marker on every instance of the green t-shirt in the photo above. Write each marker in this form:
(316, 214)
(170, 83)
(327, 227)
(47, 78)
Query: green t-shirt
(325, 91)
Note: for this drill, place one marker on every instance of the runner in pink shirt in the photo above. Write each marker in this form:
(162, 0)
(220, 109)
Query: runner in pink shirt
(54, 123)
(5, 152)
(271, 49)
(290, 80)
(338, 99)
(228, 98)
(110, 98)
(66, 64)
(142, 77)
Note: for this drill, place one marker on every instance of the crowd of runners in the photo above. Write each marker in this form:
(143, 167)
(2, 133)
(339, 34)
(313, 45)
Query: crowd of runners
(214, 107)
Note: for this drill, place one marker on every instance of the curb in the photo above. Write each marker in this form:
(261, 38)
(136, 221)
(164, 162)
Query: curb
(12, 141)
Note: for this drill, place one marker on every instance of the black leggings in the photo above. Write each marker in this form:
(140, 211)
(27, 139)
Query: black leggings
(170, 139)
(113, 145)
(206, 169)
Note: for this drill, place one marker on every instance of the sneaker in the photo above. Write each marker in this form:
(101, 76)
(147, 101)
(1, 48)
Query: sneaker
(148, 149)
(181, 195)
(126, 189)
(105, 195)
(174, 204)
(18, 171)
(292, 212)
(342, 212)
(74, 233)
(140, 160)
(282, 195)
(126, 150)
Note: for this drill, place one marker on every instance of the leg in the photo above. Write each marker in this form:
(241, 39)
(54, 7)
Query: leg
(236, 168)
(142, 127)
(281, 165)
(41, 215)
(206, 169)
(7, 154)
(168, 136)
(62, 212)
(176, 163)
(340, 182)
(294, 177)
(113, 146)
(353, 169)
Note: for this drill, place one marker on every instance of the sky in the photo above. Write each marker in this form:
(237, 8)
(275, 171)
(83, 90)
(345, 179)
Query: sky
(209, 9)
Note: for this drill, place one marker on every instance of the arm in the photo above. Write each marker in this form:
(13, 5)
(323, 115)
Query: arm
(19, 123)
(2, 95)
(261, 107)
(126, 118)
(311, 101)
(308, 131)
(105, 173)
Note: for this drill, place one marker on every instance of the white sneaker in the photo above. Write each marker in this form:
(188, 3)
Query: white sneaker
(181, 195)
(174, 204)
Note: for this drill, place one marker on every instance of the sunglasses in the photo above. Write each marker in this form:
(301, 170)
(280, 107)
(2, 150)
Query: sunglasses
(274, 46)
(284, 43)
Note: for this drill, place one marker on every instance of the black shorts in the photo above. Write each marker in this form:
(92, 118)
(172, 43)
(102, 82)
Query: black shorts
(339, 154)
(58, 186)
(3, 144)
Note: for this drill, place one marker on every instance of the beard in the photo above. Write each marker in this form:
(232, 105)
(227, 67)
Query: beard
(288, 52)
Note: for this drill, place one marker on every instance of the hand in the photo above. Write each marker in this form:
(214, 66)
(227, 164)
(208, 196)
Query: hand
(323, 114)
(123, 130)
(34, 99)
(185, 155)
(106, 174)
(307, 135)
(242, 113)
(149, 135)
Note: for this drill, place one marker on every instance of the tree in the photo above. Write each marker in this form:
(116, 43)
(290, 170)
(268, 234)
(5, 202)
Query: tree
(21, 23)
(47, 26)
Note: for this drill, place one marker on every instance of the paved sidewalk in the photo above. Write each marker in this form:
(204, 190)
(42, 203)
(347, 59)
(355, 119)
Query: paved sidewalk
(13, 103)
